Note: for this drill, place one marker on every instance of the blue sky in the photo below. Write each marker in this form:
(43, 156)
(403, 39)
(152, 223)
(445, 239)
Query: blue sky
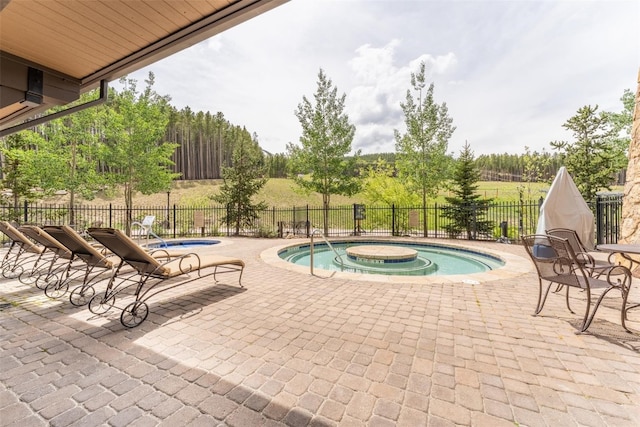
(510, 71)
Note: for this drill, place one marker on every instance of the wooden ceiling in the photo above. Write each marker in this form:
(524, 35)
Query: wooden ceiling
(76, 44)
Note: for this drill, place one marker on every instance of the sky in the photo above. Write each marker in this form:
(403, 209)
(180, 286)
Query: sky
(511, 72)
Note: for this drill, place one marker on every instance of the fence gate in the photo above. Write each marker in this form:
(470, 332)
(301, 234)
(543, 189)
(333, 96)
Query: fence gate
(608, 218)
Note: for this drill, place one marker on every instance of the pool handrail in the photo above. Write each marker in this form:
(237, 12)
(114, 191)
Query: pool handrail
(328, 244)
(145, 228)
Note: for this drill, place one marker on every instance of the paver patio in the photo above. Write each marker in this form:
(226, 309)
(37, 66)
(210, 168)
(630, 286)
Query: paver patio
(298, 350)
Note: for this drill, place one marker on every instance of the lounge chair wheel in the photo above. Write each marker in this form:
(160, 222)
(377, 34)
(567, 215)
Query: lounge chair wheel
(55, 288)
(134, 314)
(26, 278)
(80, 296)
(100, 305)
(12, 273)
(41, 281)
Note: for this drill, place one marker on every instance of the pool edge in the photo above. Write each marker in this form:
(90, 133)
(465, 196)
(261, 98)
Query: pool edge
(515, 265)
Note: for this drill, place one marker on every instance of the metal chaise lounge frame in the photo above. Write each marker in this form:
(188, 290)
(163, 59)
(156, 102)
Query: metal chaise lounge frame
(556, 263)
(21, 252)
(60, 267)
(151, 270)
(97, 266)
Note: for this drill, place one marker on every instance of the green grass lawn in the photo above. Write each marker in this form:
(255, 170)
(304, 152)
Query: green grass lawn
(281, 192)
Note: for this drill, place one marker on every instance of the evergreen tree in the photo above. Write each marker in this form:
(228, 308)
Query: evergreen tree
(467, 210)
(593, 159)
(277, 165)
(621, 123)
(242, 182)
(422, 159)
(326, 139)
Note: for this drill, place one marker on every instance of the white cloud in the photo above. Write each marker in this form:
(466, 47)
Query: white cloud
(380, 86)
(511, 72)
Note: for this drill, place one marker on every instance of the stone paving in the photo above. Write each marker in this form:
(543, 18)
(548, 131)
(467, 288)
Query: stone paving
(299, 350)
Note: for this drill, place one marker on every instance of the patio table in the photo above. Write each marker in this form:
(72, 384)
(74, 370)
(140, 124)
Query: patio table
(626, 252)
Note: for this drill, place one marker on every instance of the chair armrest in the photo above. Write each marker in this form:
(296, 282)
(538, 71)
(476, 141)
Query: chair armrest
(585, 258)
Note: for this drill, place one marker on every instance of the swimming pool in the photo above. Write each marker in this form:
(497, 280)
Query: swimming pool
(392, 258)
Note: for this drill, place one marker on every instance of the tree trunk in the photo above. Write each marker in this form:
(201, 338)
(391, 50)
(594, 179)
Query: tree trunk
(325, 213)
(424, 212)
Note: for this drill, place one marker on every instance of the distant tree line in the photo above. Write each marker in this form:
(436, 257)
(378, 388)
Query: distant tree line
(205, 141)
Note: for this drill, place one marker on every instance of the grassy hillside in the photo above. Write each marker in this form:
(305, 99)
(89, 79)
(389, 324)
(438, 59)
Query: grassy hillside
(283, 193)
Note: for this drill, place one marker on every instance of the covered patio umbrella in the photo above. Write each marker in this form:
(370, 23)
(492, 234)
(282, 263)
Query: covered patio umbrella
(564, 207)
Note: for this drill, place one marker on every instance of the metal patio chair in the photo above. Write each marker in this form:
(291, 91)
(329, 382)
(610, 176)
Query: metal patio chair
(557, 263)
(594, 266)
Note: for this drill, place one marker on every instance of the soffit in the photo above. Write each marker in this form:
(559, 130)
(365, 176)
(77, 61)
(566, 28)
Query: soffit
(84, 42)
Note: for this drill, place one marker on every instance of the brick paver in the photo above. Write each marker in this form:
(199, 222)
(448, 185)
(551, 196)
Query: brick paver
(297, 350)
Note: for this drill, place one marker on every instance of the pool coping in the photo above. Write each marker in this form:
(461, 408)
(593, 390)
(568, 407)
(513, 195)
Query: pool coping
(515, 265)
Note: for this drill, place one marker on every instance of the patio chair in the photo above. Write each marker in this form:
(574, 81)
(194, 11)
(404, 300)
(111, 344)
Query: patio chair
(145, 229)
(594, 266)
(59, 265)
(150, 272)
(22, 252)
(97, 265)
(556, 263)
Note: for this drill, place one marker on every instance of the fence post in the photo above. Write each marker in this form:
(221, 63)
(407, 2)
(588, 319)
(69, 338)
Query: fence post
(436, 215)
(110, 215)
(354, 220)
(393, 219)
(174, 221)
(599, 224)
(26, 216)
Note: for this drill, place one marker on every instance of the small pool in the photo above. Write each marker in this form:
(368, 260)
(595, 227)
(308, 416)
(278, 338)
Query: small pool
(183, 244)
(392, 258)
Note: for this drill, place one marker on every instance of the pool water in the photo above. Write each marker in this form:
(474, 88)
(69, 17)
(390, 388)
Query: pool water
(432, 259)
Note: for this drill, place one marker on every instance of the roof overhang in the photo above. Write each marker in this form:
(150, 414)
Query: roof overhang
(51, 51)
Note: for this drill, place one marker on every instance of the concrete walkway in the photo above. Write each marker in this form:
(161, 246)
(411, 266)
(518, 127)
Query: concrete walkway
(297, 350)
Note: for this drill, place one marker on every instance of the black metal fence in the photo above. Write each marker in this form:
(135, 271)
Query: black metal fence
(511, 219)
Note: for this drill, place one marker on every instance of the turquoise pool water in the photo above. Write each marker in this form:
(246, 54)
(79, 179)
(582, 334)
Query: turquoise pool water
(432, 259)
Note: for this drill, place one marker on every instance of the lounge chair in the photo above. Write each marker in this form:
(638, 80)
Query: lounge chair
(60, 263)
(97, 265)
(151, 271)
(556, 262)
(22, 252)
(593, 265)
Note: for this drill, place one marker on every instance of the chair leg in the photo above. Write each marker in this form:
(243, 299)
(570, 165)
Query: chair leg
(542, 298)
(625, 288)
(586, 321)
(567, 300)
(623, 313)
